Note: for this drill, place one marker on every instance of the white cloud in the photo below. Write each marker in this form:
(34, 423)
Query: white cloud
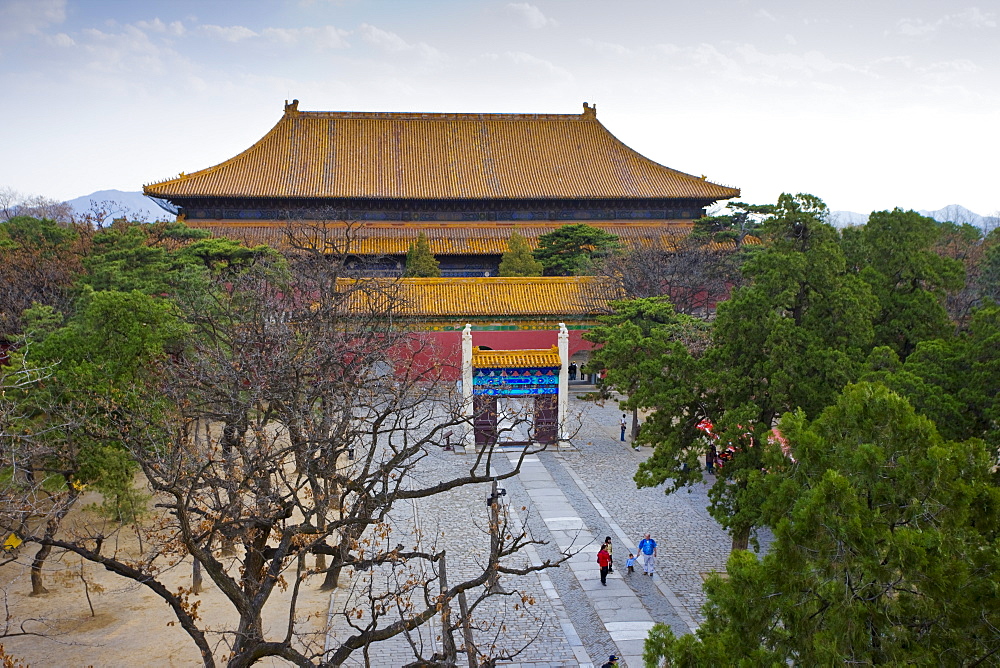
(228, 33)
(764, 14)
(175, 28)
(326, 37)
(126, 50)
(973, 17)
(539, 65)
(62, 39)
(530, 14)
(393, 43)
(608, 47)
(383, 39)
(29, 17)
(959, 65)
(915, 27)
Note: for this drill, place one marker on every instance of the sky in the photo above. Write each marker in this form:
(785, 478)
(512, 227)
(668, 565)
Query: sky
(868, 105)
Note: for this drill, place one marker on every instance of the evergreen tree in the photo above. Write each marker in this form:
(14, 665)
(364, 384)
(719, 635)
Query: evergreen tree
(518, 260)
(885, 552)
(894, 252)
(796, 334)
(647, 350)
(420, 262)
(569, 250)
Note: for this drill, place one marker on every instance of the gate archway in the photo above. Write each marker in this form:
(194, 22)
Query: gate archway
(515, 385)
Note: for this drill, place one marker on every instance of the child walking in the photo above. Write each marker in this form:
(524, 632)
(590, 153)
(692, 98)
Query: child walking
(630, 562)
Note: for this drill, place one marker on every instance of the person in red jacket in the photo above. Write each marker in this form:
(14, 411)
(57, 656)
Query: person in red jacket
(604, 561)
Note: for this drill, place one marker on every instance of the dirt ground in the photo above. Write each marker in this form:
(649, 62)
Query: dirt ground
(131, 625)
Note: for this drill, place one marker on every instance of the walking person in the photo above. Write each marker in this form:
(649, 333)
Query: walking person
(647, 548)
(611, 554)
(710, 458)
(623, 427)
(604, 561)
(612, 662)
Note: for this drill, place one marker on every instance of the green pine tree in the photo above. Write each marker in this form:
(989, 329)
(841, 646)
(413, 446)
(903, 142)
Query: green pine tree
(518, 260)
(420, 262)
(570, 250)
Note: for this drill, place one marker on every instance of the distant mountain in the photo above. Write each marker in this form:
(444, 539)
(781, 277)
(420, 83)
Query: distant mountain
(847, 218)
(953, 213)
(131, 205)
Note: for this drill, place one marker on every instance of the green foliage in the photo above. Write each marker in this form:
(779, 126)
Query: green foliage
(44, 234)
(125, 258)
(885, 549)
(218, 254)
(569, 250)
(420, 262)
(111, 470)
(178, 231)
(112, 339)
(40, 321)
(519, 260)
(102, 361)
(895, 256)
(990, 276)
(952, 380)
(646, 350)
(792, 337)
(743, 221)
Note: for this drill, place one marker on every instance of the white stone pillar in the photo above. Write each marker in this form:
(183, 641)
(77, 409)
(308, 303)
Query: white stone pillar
(563, 410)
(469, 437)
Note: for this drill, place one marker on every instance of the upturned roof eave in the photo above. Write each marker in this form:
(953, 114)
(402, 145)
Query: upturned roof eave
(161, 189)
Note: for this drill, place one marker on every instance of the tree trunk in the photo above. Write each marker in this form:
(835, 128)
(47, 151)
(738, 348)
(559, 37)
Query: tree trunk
(635, 424)
(195, 576)
(470, 647)
(332, 578)
(447, 638)
(741, 539)
(37, 589)
(493, 583)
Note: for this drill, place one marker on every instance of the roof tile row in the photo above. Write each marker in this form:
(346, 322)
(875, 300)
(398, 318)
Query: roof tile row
(440, 156)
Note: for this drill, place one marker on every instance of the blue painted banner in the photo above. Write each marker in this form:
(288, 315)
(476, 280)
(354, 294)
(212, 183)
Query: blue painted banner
(515, 382)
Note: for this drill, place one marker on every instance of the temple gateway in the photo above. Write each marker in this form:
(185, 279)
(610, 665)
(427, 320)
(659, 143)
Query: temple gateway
(377, 180)
(373, 182)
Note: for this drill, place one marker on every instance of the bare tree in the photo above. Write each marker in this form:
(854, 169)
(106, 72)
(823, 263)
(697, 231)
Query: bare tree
(694, 275)
(14, 203)
(289, 428)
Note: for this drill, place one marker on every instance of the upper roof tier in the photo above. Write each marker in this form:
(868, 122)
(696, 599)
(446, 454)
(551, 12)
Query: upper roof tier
(349, 155)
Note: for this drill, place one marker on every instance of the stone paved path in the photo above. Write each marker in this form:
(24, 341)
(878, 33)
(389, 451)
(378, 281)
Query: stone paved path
(573, 498)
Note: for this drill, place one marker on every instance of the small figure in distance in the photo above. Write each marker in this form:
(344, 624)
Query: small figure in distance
(604, 561)
(647, 548)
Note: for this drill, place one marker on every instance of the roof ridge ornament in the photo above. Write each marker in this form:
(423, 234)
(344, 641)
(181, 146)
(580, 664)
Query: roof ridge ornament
(589, 111)
(292, 108)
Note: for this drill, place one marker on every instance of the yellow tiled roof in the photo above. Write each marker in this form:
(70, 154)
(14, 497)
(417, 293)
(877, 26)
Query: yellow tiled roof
(440, 156)
(488, 238)
(515, 359)
(475, 298)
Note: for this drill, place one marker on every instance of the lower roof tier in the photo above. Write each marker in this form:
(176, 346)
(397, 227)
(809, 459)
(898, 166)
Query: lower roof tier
(372, 239)
(432, 299)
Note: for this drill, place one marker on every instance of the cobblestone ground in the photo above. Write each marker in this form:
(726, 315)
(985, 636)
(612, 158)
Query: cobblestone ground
(599, 468)
(690, 542)
(457, 521)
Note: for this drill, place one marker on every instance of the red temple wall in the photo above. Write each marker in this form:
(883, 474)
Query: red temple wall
(439, 354)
